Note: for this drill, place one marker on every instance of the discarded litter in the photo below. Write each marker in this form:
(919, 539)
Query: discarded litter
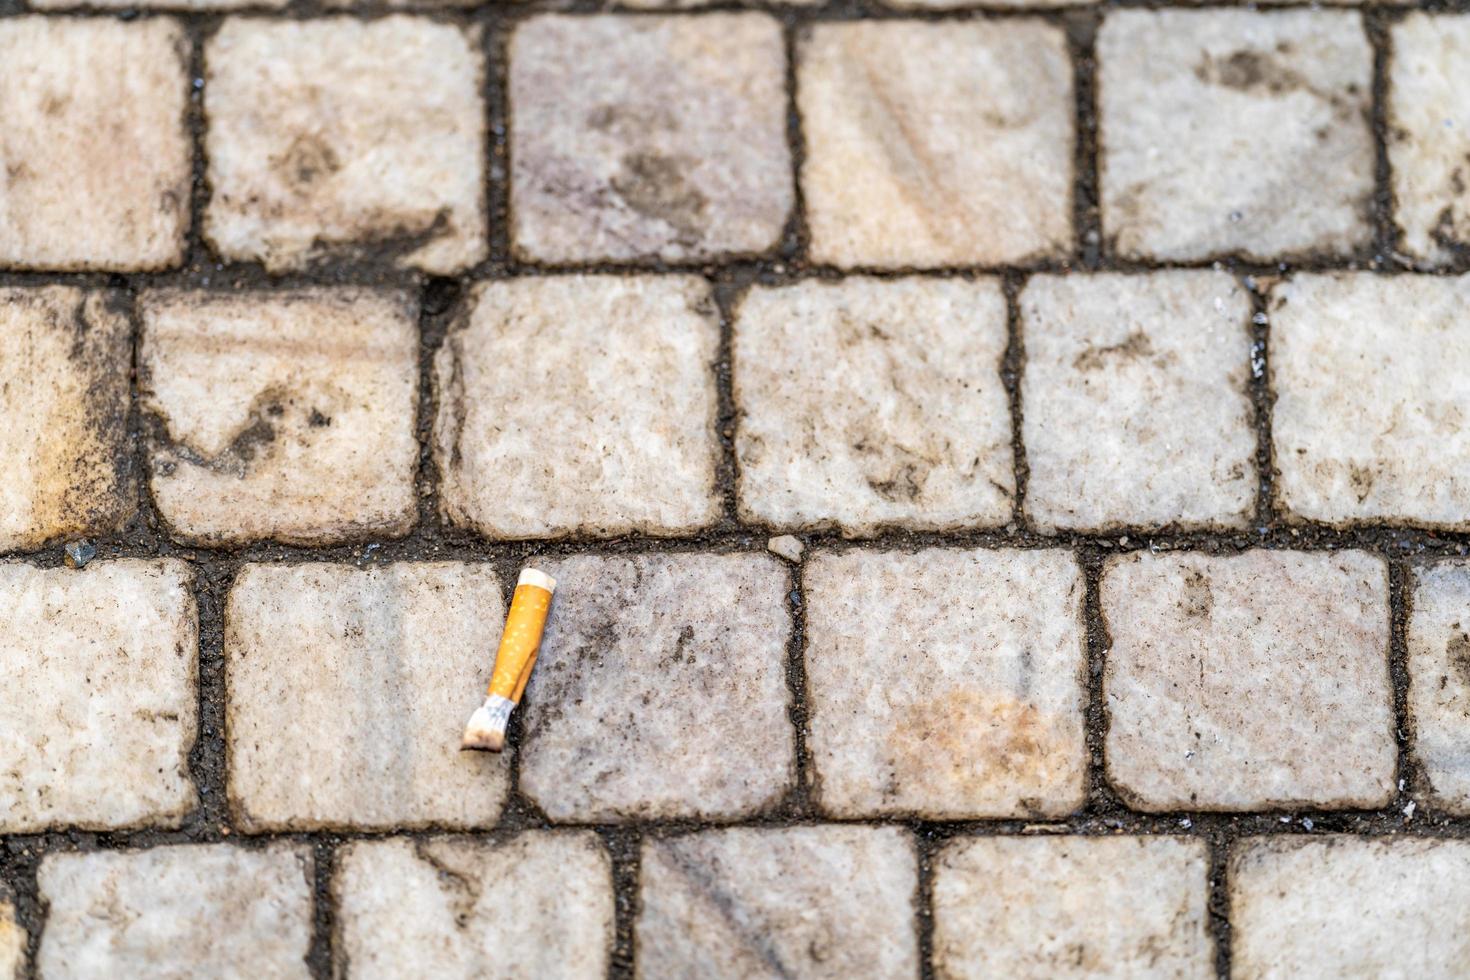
(76, 554)
(519, 645)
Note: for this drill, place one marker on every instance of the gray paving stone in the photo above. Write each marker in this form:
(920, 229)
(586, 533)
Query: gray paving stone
(348, 692)
(1134, 401)
(1242, 132)
(1249, 682)
(797, 902)
(648, 137)
(660, 691)
(1072, 907)
(1439, 680)
(872, 403)
(100, 705)
(537, 905)
(946, 684)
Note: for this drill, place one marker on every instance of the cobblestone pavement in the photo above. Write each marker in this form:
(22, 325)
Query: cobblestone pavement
(1006, 470)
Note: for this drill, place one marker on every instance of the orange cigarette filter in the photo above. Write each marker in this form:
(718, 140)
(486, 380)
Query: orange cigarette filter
(519, 644)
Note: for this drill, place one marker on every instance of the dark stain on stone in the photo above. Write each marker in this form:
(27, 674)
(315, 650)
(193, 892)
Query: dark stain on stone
(1458, 649)
(654, 185)
(903, 485)
(317, 420)
(1136, 345)
(308, 159)
(1362, 480)
(1199, 598)
(1247, 71)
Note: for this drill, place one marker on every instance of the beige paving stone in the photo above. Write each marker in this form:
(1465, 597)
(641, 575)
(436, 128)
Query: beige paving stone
(282, 415)
(12, 939)
(796, 902)
(64, 398)
(537, 905)
(1344, 906)
(580, 404)
(1249, 682)
(1241, 133)
(1439, 680)
(100, 702)
(946, 684)
(211, 910)
(1071, 907)
(346, 138)
(1372, 378)
(348, 692)
(93, 152)
(660, 691)
(648, 137)
(1134, 401)
(936, 144)
(871, 403)
(1429, 134)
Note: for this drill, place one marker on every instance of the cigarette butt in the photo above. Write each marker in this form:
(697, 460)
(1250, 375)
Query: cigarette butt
(519, 645)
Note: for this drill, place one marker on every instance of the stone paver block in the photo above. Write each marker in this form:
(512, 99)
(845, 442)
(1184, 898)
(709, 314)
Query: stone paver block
(100, 702)
(580, 404)
(1372, 383)
(1134, 401)
(348, 692)
(12, 939)
(344, 138)
(1072, 907)
(1249, 682)
(1439, 680)
(538, 905)
(946, 684)
(936, 144)
(173, 912)
(798, 902)
(1345, 906)
(648, 137)
(282, 415)
(64, 397)
(660, 691)
(94, 160)
(1240, 133)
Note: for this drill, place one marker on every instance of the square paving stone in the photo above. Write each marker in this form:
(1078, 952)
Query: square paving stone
(1240, 133)
(64, 397)
(1249, 682)
(660, 691)
(173, 912)
(946, 684)
(1072, 907)
(580, 404)
(100, 702)
(95, 161)
(345, 139)
(1134, 401)
(871, 403)
(282, 415)
(348, 693)
(648, 137)
(936, 144)
(1372, 382)
(1343, 906)
(537, 905)
(1439, 680)
(798, 902)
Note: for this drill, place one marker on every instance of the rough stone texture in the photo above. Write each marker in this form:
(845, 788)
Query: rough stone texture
(282, 415)
(340, 137)
(94, 159)
(580, 404)
(868, 403)
(12, 939)
(537, 905)
(1249, 682)
(64, 399)
(100, 703)
(1240, 133)
(798, 902)
(348, 692)
(1372, 379)
(1135, 401)
(936, 144)
(1429, 135)
(1071, 907)
(946, 684)
(177, 912)
(1439, 681)
(660, 691)
(1345, 906)
(648, 137)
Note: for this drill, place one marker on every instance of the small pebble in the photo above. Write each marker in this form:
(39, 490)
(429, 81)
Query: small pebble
(786, 546)
(78, 553)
